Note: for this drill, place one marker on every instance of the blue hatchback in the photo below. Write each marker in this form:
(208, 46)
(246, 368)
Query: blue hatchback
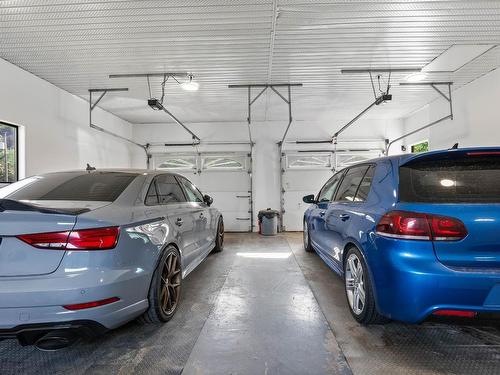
(413, 235)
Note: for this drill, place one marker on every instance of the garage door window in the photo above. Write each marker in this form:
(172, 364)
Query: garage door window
(316, 161)
(347, 159)
(178, 162)
(8, 153)
(225, 162)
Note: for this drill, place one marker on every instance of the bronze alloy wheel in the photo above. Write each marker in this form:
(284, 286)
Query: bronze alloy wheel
(221, 234)
(170, 284)
(219, 240)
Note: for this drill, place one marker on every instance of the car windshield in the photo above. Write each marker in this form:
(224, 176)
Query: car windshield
(70, 186)
(465, 178)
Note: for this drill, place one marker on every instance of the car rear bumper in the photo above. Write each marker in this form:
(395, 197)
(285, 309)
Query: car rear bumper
(40, 299)
(411, 284)
(28, 334)
(110, 316)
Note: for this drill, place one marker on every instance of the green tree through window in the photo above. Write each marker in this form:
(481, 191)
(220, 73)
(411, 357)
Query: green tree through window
(420, 147)
(8, 153)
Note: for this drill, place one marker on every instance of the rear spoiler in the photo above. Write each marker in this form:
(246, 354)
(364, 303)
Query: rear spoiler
(12, 205)
(450, 154)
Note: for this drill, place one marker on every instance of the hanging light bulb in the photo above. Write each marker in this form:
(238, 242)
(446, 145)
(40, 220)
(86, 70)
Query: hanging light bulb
(190, 85)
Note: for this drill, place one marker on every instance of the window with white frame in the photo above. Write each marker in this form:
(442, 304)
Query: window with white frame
(309, 161)
(224, 162)
(422, 146)
(347, 159)
(8, 153)
(176, 162)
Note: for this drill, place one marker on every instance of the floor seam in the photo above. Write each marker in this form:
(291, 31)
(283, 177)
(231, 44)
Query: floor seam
(348, 368)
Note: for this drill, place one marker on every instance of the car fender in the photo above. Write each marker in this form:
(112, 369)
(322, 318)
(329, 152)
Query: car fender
(349, 242)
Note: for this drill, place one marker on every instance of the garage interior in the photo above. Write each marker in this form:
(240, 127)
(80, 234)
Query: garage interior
(257, 103)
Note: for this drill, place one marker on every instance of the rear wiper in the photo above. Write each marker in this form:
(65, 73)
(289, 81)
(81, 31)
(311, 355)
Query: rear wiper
(11, 205)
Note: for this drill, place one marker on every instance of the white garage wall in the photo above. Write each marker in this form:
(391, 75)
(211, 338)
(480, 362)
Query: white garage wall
(266, 135)
(55, 133)
(476, 117)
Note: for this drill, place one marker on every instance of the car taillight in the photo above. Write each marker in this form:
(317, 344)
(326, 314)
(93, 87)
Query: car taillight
(89, 305)
(85, 239)
(456, 313)
(93, 239)
(418, 226)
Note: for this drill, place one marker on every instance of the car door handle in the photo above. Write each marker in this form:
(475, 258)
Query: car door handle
(322, 213)
(344, 217)
(179, 222)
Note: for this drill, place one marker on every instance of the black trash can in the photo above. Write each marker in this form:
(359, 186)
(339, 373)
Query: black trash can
(268, 222)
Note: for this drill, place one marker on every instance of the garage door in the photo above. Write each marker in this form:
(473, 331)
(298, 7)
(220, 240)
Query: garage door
(224, 176)
(305, 173)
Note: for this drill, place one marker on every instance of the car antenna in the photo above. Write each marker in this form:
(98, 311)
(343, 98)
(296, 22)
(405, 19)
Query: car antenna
(454, 147)
(90, 168)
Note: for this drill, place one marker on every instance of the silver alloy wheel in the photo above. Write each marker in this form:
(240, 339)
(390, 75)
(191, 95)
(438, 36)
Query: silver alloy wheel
(306, 235)
(354, 284)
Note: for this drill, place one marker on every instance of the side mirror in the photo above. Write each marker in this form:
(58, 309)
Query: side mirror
(208, 200)
(309, 199)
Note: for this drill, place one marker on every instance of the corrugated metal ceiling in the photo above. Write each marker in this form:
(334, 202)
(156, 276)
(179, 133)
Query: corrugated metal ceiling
(77, 44)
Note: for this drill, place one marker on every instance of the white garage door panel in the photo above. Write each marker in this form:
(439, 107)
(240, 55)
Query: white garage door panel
(233, 208)
(305, 180)
(224, 181)
(296, 185)
(233, 222)
(229, 188)
(306, 172)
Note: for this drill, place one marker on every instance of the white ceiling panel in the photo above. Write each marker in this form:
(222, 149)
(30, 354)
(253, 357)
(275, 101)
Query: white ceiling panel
(77, 44)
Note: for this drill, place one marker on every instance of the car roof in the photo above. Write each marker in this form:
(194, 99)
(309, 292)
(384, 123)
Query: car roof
(405, 158)
(402, 159)
(117, 170)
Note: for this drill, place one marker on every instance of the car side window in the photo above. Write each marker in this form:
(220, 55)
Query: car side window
(193, 194)
(327, 191)
(165, 190)
(366, 183)
(169, 190)
(152, 195)
(349, 186)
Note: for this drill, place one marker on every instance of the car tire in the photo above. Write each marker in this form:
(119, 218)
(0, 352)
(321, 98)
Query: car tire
(307, 238)
(219, 238)
(356, 284)
(165, 289)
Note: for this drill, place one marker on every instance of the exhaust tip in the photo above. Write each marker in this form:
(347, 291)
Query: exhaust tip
(55, 340)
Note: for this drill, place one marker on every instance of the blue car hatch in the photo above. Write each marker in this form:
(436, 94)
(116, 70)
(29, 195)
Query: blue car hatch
(463, 185)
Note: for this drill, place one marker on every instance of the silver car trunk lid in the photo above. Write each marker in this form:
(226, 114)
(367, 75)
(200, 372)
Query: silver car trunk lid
(18, 258)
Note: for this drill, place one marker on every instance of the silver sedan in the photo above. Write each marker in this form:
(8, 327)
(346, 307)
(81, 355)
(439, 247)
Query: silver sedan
(83, 252)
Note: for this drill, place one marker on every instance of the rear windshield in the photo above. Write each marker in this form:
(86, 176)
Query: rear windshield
(72, 186)
(465, 178)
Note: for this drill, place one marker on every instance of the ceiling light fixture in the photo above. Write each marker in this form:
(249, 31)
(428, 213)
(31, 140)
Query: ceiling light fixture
(416, 77)
(190, 85)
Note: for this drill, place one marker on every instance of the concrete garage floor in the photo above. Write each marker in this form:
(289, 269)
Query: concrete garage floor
(264, 306)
